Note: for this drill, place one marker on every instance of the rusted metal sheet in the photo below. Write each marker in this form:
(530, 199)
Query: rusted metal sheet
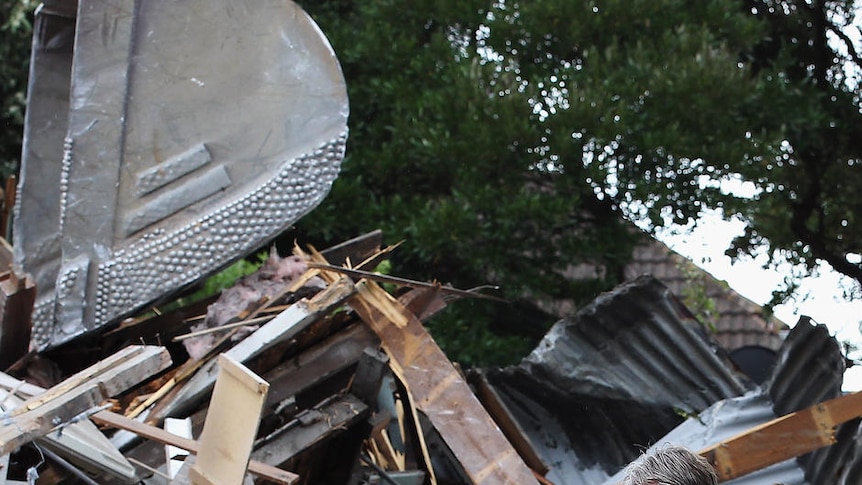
(196, 131)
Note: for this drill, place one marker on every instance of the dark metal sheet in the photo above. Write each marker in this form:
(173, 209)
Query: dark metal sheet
(36, 235)
(197, 131)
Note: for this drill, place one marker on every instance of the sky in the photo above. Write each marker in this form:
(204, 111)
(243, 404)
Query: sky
(821, 296)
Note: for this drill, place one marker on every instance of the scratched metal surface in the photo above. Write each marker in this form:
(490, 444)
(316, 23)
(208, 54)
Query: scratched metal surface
(195, 132)
(611, 381)
(809, 370)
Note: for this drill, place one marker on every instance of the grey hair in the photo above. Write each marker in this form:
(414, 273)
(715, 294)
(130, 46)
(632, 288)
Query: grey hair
(670, 465)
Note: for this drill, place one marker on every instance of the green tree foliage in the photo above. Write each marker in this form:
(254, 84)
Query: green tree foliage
(504, 140)
(15, 29)
(437, 156)
(809, 116)
(670, 100)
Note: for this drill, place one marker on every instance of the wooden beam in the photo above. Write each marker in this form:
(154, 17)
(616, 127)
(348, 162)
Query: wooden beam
(319, 363)
(283, 327)
(17, 296)
(231, 425)
(439, 392)
(311, 427)
(789, 436)
(114, 420)
(89, 388)
(81, 442)
(510, 427)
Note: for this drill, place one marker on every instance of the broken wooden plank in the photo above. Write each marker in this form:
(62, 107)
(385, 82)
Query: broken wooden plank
(17, 296)
(439, 392)
(319, 363)
(184, 372)
(510, 427)
(357, 249)
(283, 327)
(395, 280)
(231, 425)
(38, 415)
(789, 436)
(309, 428)
(114, 420)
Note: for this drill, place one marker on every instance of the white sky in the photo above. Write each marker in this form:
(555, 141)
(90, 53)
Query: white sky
(824, 303)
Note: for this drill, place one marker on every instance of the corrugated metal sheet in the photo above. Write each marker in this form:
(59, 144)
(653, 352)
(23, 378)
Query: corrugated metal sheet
(617, 377)
(808, 370)
(738, 322)
(724, 420)
(613, 379)
(635, 343)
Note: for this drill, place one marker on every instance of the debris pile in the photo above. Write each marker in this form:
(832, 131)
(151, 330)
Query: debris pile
(299, 374)
(310, 372)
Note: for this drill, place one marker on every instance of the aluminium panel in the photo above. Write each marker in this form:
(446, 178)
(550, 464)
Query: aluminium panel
(195, 132)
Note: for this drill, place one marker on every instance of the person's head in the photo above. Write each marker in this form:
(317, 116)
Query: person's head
(670, 465)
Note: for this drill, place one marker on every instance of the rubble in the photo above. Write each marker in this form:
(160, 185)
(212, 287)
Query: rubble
(308, 371)
(331, 392)
(344, 385)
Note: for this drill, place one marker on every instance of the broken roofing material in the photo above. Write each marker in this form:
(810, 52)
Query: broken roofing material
(605, 383)
(337, 409)
(173, 155)
(617, 376)
(738, 322)
(809, 371)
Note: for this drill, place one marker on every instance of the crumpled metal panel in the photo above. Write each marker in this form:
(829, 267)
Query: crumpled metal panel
(613, 379)
(196, 131)
(724, 420)
(637, 343)
(605, 384)
(809, 370)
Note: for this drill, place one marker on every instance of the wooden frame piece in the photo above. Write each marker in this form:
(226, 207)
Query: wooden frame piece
(438, 390)
(114, 420)
(82, 442)
(313, 427)
(789, 436)
(231, 425)
(89, 388)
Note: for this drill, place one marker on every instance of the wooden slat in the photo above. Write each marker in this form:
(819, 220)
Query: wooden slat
(510, 427)
(318, 363)
(38, 415)
(17, 296)
(81, 441)
(231, 425)
(439, 392)
(283, 327)
(787, 437)
(311, 428)
(143, 430)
